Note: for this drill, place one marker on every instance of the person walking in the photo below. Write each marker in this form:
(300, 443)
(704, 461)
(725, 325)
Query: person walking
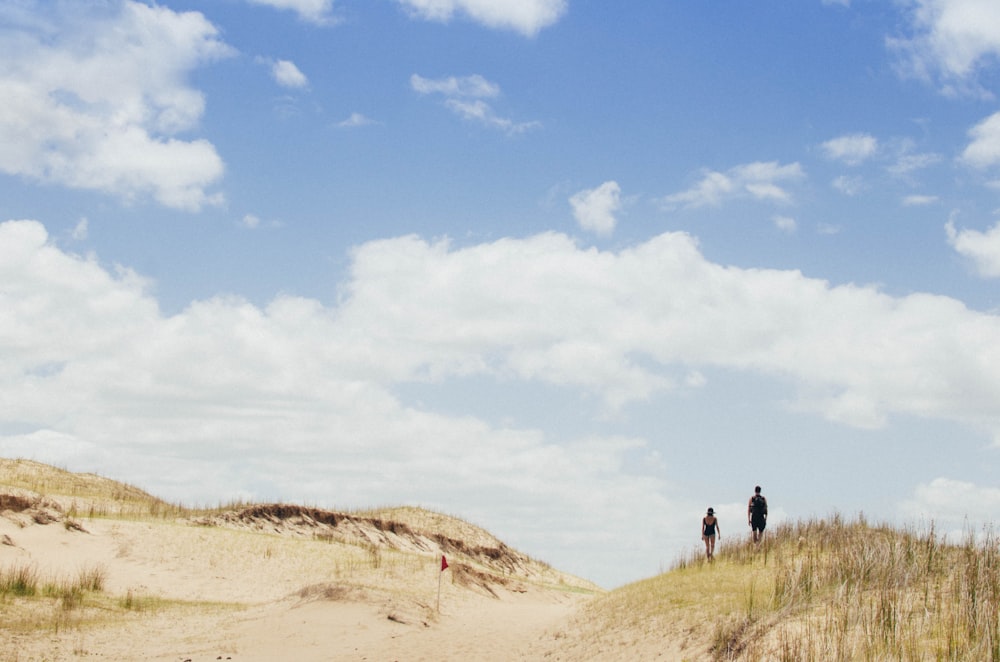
(757, 514)
(709, 530)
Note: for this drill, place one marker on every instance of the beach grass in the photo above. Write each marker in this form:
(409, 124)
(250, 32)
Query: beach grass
(824, 589)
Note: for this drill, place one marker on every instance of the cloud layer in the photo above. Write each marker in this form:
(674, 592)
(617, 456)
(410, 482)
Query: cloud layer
(103, 113)
(297, 399)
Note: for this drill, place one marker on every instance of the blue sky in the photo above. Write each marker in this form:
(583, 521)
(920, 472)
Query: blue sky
(571, 271)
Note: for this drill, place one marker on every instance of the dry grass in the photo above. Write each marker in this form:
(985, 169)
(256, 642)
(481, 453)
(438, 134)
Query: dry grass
(821, 590)
(84, 495)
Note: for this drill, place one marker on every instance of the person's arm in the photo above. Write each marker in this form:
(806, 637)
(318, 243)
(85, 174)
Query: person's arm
(718, 529)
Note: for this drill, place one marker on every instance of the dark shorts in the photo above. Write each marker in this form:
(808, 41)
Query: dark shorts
(758, 523)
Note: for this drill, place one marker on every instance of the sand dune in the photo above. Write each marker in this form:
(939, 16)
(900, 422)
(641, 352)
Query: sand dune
(272, 582)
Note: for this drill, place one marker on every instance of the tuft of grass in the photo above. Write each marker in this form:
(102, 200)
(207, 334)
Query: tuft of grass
(20, 580)
(92, 578)
(822, 589)
(25, 581)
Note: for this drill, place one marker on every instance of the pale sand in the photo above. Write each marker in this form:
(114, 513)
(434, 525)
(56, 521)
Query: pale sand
(246, 596)
(292, 588)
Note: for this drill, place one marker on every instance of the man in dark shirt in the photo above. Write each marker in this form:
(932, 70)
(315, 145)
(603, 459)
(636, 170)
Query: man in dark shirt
(757, 514)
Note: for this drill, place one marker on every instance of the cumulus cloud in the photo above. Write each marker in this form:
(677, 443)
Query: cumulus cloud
(354, 121)
(852, 149)
(313, 11)
(286, 74)
(759, 180)
(298, 400)
(594, 209)
(982, 248)
(951, 41)
(88, 109)
(984, 149)
(465, 96)
(525, 16)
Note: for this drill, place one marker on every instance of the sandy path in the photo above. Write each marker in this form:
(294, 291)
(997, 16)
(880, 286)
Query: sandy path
(510, 628)
(489, 630)
(258, 612)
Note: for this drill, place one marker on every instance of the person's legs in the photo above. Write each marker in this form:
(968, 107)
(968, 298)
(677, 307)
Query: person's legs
(711, 547)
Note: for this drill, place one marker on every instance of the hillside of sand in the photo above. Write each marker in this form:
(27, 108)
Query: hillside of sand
(93, 568)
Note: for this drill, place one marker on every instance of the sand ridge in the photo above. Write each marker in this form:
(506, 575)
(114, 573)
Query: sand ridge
(274, 581)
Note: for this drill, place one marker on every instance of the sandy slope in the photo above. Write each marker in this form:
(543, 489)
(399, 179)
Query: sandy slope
(274, 588)
(281, 582)
(246, 596)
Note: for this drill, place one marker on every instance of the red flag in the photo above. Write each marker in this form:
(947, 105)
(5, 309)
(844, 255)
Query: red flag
(444, 563)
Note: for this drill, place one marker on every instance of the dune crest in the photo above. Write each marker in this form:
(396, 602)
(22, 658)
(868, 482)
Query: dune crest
(259, 581)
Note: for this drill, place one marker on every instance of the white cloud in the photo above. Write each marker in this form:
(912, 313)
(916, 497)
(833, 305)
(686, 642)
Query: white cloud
(86, 108)
(984, 150)
(982, 248)
(466, 86)
(418, 310)
(907, 163)
(81, 229)
(852, 149)
(848, 185)
(250, 221)
(464, 97)
(525, 16)
(288, 75)
(758, 180)
(957, 508)
(951, 41)
(594, 209)
(785, 224)
(919, 200)
(314, 11)
(297, 400)
(355, 120)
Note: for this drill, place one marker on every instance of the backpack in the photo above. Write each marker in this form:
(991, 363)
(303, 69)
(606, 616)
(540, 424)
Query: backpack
(758, 505)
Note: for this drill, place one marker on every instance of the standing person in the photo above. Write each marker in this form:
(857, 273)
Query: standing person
(709, 529)
(757, 514)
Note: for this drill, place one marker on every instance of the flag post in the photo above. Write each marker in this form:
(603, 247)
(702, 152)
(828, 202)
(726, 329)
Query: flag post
(444, 566)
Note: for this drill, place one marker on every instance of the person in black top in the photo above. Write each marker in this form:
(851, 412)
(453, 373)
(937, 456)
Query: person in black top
(709, 530)
(757, 514)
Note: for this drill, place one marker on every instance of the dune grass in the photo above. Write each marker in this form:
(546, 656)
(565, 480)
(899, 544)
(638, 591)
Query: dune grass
(825, 589)
(30, 601)
(85, 495)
